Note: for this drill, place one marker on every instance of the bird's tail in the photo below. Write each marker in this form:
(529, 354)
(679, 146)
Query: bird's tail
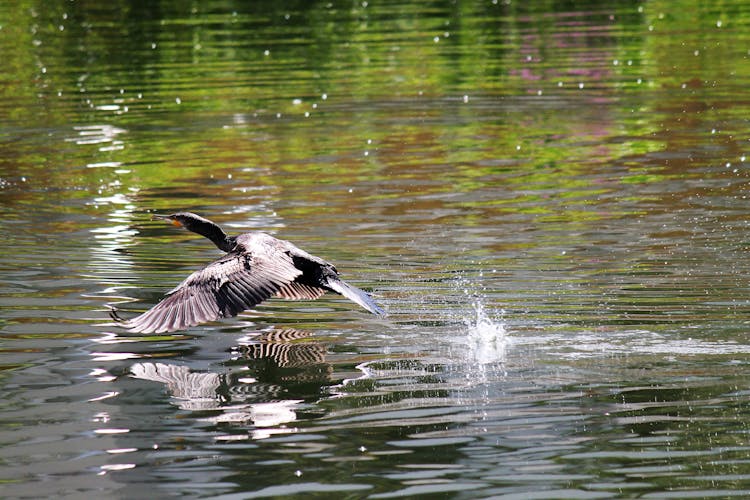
(355, 295)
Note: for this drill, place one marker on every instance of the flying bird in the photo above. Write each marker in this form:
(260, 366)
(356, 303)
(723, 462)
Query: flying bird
(255, 267)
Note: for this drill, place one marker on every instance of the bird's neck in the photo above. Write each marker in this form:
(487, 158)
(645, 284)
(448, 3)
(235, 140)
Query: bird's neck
(227, 244)
(214, 233)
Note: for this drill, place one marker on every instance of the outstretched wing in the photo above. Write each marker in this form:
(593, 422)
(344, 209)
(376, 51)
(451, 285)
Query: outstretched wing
(224, 288)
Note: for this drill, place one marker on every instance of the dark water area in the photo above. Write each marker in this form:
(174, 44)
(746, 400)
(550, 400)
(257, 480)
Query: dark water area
(550, 201)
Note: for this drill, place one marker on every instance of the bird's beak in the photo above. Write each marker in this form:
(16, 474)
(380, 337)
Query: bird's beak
(166, 217)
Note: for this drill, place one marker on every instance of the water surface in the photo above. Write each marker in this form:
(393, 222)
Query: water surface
(549, 201)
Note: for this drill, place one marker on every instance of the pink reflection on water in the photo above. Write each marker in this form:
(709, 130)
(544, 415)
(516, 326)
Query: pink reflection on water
(586, 55)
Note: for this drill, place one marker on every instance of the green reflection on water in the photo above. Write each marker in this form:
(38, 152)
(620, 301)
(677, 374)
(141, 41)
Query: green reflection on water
(257, 62)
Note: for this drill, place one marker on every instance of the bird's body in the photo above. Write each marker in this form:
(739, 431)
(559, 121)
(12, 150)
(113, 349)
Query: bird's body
(256, 267)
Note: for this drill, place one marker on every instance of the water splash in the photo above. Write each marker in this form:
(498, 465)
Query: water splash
(486, 336)
(478, 354)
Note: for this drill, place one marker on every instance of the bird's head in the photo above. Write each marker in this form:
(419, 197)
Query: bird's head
(199, 225)
(188, 220)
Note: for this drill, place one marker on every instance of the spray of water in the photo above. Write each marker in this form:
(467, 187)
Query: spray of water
(486, 336)
(479, 352)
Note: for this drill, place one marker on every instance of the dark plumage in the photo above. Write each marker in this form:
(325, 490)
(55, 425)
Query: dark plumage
(256, 267)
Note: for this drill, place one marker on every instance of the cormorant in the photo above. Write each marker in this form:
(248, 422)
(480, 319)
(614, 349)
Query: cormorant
(256, 267)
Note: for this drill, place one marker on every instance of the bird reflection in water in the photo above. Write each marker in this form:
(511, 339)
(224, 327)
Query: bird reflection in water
(267, 379)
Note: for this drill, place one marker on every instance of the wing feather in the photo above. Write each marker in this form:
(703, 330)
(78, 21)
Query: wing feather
(299, 291)
(226, 287)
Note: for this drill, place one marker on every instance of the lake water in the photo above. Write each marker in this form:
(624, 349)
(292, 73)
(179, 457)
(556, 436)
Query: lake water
(549, 200)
